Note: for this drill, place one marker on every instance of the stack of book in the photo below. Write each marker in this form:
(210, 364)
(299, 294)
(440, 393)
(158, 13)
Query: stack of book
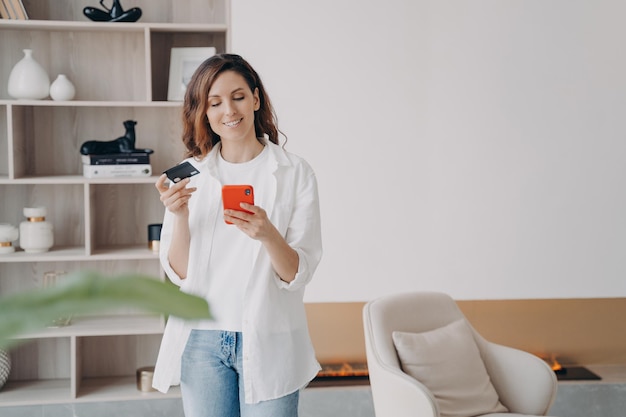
(13, 9)
(127, 164)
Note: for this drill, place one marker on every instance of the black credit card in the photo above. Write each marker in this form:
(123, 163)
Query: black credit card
(181, 171)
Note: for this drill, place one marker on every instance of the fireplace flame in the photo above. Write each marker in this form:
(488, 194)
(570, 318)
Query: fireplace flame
(343, 369)
(556, 366)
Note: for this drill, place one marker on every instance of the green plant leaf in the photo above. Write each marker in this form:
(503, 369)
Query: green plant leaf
(90, 292)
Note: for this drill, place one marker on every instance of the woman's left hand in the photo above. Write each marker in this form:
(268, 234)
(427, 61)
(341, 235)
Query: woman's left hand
(256, 225)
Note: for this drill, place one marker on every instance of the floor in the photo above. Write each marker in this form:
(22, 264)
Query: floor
(573, 400)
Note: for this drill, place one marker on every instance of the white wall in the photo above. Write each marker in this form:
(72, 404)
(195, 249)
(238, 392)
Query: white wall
(472, 147)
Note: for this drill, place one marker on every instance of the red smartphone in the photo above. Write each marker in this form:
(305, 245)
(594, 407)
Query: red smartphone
(233, 195)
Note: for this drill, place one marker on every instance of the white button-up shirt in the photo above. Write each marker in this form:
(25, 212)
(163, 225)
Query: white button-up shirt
(278, 353)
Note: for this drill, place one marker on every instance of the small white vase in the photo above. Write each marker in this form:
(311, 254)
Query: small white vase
(8, 234)
(62, 89)
(36, 234)
(28, 80)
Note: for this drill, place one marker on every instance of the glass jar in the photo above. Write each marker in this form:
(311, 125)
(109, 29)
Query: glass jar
(36, 234)
(51, 279)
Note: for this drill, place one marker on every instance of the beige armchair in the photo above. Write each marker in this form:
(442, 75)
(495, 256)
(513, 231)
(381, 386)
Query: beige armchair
(523, 383)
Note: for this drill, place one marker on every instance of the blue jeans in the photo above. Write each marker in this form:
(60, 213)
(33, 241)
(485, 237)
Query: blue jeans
(212, 380)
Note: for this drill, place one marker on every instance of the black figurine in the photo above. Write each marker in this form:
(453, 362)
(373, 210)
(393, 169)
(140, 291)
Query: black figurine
(114, 14)
(123, 144)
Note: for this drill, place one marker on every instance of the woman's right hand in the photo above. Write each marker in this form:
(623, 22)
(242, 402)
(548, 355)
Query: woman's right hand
(176, 197)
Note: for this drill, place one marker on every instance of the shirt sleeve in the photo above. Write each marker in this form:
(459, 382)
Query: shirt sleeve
(164, 248)
(304, 231)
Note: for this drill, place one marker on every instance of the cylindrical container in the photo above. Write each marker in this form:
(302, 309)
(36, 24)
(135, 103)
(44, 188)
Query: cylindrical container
(28, 79)
(62, 89)
(36, 234)
(8, 234)
(154, 236)
(144, 379)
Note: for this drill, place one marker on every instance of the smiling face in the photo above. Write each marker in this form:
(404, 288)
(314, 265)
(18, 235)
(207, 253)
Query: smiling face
(231, 108)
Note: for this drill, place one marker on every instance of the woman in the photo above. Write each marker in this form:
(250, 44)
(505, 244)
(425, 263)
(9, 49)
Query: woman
(255, 353)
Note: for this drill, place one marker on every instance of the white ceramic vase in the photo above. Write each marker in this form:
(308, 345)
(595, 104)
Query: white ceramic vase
(8, 234)
(36, 234)
(62, 89)
(28, 80)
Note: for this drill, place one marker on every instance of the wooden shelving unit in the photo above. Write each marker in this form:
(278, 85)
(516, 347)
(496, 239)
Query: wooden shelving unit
(120, 71)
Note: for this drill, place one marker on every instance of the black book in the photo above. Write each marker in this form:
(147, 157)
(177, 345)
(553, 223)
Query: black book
(129, 158)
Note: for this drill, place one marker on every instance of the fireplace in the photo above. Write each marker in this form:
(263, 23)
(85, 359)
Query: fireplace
(572, 373)
(342, 373)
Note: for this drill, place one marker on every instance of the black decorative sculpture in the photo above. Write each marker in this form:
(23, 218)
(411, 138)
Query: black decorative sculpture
(114, 14)
(123, 144)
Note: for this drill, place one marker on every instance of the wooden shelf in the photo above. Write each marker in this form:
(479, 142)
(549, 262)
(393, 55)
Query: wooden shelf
(103, 326)
(124, 252)
(91, 103)
(55, 391)
(79, 254)
(89, 26)
(118, 389)
(121, 72)
(76, 179)
(56, 254)
(91, 390)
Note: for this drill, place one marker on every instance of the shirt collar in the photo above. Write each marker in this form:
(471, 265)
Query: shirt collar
(277, 157)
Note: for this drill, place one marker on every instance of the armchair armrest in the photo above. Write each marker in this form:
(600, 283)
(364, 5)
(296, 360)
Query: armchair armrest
(524, 382)
(396, 394)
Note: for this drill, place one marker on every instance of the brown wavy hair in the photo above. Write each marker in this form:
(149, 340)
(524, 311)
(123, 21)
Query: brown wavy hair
(198, 137)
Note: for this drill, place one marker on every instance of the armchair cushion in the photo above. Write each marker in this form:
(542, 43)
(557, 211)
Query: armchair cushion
(447, 361)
